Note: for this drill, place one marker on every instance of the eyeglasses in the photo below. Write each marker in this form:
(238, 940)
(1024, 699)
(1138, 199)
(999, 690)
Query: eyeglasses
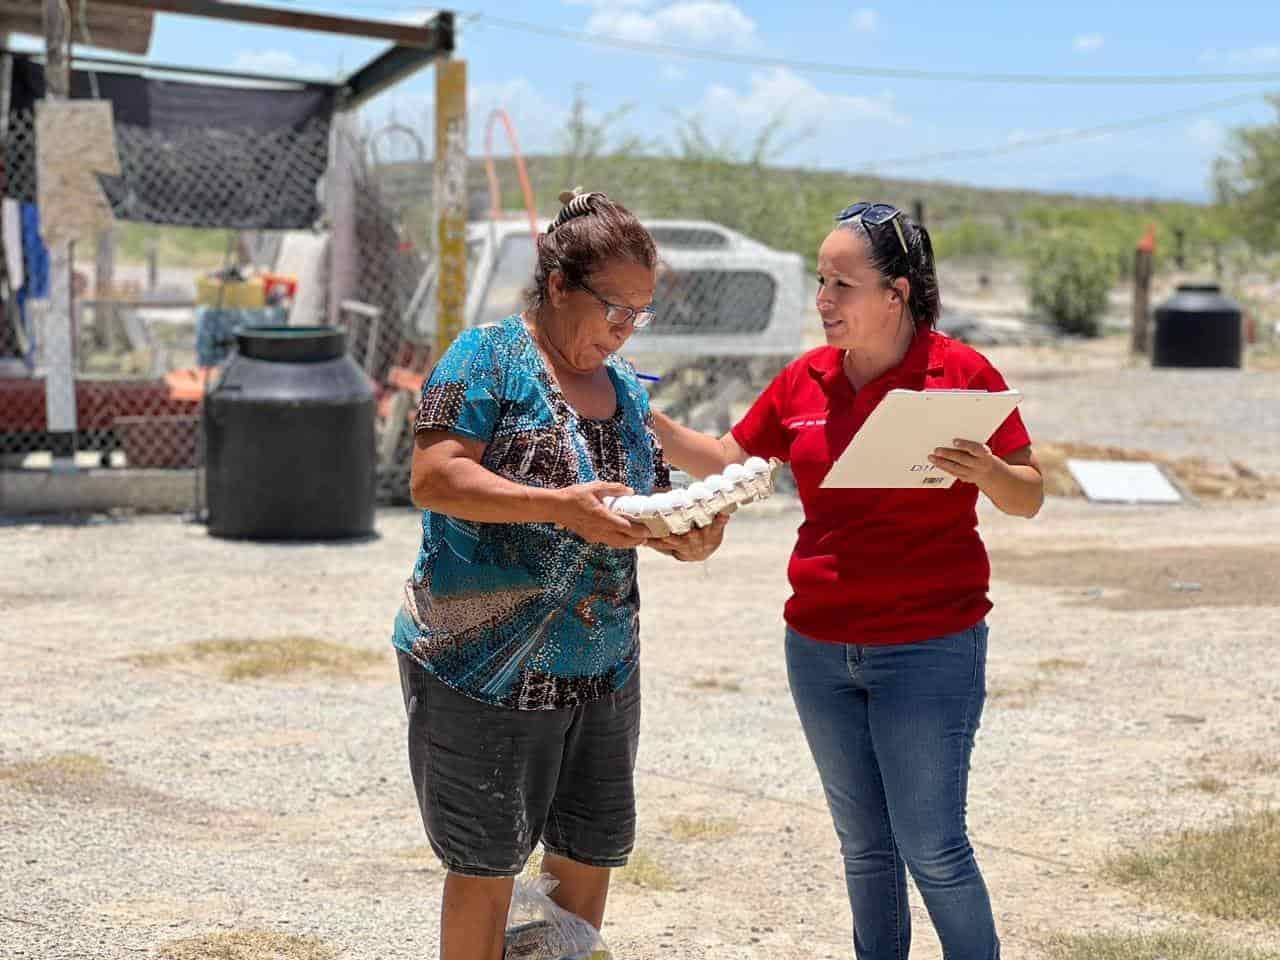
(875, 215)
(619, 315)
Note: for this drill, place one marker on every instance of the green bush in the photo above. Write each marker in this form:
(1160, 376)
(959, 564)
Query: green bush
(1069, 273)
(968, 239)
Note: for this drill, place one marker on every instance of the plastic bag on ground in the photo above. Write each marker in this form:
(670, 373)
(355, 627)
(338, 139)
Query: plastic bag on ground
(539, 929)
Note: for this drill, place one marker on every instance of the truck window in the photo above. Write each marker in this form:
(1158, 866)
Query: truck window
(512, 273)
(712, 302)
(689, 238)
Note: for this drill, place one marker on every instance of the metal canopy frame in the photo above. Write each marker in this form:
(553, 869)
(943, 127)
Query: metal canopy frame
(413, 46)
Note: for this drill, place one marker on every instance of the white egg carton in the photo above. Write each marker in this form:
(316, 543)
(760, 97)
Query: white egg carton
(696, 505)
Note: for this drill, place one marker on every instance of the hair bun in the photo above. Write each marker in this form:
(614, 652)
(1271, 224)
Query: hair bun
(575, 203)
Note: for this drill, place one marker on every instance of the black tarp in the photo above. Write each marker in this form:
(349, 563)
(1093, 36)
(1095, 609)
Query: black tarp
(193, 154)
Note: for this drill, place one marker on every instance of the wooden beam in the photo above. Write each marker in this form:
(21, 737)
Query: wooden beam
(397, 63)
(403, 34)
(111, 28)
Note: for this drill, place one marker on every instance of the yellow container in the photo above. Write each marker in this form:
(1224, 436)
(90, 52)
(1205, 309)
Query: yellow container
(250, 294)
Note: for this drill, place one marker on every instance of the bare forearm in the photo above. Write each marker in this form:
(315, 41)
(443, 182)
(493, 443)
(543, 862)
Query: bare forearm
(697, 454)
(467, 490)
(1015, 489)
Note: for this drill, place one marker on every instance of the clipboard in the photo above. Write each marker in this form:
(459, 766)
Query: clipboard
(891, 449)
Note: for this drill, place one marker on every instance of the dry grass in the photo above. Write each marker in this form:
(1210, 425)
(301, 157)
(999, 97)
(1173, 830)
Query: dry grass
(1161, 579)
(1230, 872)
(718, 684)
(1247, 764)
(1015, 695)
(1210, 481)
(247, 945)
(1162, 946)
(1210, 785)
(702, 828)
(251, 659)
(60, 772)
(643, 870)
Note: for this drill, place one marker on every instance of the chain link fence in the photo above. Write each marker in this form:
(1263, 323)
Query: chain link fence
(154, 313)
(737, 241)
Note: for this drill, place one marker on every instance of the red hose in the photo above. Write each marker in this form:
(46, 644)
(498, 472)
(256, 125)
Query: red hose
(495, 194)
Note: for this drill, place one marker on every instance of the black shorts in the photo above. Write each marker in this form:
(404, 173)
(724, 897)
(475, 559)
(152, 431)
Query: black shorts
(492, 781)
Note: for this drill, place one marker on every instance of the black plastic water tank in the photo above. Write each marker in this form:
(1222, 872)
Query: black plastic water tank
(289, 439)
(1197, 327)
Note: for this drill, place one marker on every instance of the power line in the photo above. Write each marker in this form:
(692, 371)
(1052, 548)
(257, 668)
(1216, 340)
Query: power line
(474, 18)
(895, 73)
(1069, 136)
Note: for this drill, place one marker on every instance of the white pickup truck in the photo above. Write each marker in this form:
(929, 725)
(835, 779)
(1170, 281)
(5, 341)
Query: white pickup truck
(730, 313)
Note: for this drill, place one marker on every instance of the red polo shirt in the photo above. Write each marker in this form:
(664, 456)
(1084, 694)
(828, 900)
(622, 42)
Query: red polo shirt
(876, 566)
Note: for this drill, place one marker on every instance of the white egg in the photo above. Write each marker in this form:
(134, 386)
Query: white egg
(680, 498)
(663, 502)
(719, 484)
(645, 507)
(609, 502)
(735, 472)
(757, 466)
(700, 491)
(625, 505)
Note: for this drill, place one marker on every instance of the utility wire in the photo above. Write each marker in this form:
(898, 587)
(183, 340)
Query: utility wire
(1070, 136)
(474, 18)
(896, 73)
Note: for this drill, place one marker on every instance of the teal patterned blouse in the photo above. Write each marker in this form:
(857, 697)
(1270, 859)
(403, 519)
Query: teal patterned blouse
(528, 615)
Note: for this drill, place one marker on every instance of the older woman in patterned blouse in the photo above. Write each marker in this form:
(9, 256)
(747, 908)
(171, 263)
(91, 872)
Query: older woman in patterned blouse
(518, 636)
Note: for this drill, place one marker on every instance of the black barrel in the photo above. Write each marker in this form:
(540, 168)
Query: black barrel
(1197, 327)
(289, 439)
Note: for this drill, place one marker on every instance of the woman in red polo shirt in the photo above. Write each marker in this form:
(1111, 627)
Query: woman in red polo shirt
(886, 631)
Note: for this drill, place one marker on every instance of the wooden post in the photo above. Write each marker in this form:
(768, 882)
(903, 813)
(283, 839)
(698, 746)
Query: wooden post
(59, 368)
(450, 195)
(1139, 341)
(344, 250)
(105, 322)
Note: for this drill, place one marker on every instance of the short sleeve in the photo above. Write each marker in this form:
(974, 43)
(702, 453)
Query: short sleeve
(1012, 434)
(760, 432)
(463, 395)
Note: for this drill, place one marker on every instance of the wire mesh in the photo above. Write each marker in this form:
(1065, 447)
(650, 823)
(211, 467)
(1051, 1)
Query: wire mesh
(150, 323)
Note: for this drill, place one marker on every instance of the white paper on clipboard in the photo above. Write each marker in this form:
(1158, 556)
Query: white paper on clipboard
(891, 449)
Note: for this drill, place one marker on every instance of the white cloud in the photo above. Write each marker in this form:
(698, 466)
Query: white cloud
(1207, 132)
(781, 93)
(697, 22)
(671, 73)
(1088, 42)
(278, 62)
(865, 20)
(1250, 56)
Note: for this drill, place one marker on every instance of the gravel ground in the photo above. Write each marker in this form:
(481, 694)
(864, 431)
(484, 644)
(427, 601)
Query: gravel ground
(201, 805)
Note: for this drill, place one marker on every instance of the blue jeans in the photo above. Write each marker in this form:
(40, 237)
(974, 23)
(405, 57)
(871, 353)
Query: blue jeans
(891, 729)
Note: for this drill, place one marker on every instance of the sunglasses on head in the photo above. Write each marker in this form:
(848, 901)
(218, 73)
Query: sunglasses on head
(874, 215)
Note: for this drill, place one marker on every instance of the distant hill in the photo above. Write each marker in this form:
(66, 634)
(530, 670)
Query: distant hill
(791, 208)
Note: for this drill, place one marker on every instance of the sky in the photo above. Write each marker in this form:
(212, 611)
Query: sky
(930, 128)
